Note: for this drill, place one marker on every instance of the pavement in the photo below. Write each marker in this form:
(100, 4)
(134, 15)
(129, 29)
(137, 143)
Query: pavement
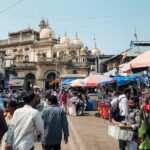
(87, 132)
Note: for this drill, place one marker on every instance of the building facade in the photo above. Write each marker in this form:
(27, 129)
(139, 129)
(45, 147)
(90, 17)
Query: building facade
(39, 58)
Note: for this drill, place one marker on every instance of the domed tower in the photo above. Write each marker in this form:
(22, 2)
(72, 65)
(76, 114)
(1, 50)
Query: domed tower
(95, 51)
(65, 39)
(46, 32)
(42, 24)
(77, 41)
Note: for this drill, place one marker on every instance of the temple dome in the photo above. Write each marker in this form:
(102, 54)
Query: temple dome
(77, 41)
(47, 33)
(65, 39)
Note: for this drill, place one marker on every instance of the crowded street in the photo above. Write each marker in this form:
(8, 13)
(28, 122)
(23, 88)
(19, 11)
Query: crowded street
(74, 75)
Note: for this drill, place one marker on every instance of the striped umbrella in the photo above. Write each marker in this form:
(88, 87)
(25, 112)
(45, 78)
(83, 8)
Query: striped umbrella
(95, 80)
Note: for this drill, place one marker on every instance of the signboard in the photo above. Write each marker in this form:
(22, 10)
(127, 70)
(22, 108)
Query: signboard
(17, 82)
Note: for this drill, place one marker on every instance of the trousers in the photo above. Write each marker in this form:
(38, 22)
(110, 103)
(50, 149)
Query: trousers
(51, 147)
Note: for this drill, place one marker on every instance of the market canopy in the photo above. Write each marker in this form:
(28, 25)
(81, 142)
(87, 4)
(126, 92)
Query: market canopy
(95, 80)
(67, 81)
(141, 61)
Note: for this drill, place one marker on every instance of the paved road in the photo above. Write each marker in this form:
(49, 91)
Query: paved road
(88, 133)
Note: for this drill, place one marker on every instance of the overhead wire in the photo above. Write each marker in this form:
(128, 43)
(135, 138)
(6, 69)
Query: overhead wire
(73, 19)
(11, 6)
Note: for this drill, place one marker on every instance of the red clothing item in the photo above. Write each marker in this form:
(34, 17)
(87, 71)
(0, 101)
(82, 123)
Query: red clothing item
(64, 99)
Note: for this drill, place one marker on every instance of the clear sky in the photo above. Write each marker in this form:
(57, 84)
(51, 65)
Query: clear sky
(111, 21)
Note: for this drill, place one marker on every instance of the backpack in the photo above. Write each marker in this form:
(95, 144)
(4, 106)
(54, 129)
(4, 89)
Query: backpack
(115, 112)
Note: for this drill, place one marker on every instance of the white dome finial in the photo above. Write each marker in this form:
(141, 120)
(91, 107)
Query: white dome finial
(65, 34)
(76, 35)
(65, 39)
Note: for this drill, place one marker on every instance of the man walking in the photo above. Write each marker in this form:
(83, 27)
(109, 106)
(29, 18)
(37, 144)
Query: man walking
(25, 122)
(55, 121)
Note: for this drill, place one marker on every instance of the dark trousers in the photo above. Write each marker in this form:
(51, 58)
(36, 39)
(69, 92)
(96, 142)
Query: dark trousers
(32, 148)
(122, 144)
(51, 147)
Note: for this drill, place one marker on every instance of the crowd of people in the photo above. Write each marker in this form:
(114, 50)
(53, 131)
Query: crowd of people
(20, 126)
(21, 123)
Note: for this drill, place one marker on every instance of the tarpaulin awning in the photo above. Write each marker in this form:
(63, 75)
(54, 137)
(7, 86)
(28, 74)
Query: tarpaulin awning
(123, 80)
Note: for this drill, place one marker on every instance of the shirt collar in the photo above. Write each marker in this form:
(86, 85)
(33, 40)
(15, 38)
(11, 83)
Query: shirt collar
(27, 106)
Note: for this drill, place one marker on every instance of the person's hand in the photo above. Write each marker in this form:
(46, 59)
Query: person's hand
(122, 126)
(115, 122)
(66, 140)
(8, 147)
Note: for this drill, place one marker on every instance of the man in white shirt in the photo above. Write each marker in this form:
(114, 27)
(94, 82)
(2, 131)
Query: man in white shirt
(25, 123)
(122, 101)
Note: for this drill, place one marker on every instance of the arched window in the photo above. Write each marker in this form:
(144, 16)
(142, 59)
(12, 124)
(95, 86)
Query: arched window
(44, 55)
(54, 55)
(29, 81)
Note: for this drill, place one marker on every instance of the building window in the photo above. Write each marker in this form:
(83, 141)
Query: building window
(26, 49)
(54, 55)
(74, 71)
(26, 58)
(14, 50)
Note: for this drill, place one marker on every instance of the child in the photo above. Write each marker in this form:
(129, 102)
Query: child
(132, 121)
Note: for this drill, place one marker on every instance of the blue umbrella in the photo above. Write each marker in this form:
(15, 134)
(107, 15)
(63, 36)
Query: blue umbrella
(67, 81)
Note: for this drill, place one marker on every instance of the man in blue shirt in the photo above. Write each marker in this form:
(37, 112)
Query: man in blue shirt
(55, 121)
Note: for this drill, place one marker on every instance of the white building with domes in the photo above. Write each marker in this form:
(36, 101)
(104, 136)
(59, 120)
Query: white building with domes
(41, 59)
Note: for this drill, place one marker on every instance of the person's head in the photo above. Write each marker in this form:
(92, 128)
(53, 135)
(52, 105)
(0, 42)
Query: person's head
(52, 100)
(116, 93)
(29, 98)
(127, 92)
(13, 91)
(11, 106)
(133, 102)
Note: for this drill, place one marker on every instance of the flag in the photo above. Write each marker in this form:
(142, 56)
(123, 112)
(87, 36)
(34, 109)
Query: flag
(135, 35)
